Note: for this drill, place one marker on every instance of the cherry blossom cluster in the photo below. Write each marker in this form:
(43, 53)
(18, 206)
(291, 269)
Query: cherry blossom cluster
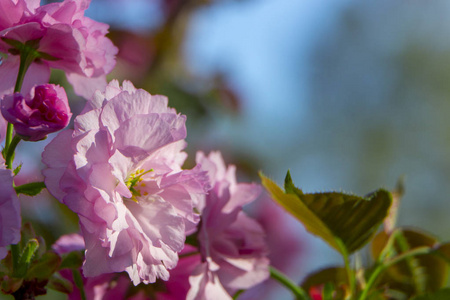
(143, 217)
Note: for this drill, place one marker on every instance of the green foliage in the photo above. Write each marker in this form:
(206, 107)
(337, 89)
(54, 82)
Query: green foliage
(443, 294)
(60, 284)
(345, 222)
(412, 276)
(72, 260)
(334, 281)
(45, 266)
(336, 275)
(27, 254)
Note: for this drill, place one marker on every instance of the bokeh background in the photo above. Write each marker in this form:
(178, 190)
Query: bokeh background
(349, 95)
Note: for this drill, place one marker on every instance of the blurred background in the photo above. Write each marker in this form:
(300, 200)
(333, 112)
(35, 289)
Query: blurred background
(349, 95)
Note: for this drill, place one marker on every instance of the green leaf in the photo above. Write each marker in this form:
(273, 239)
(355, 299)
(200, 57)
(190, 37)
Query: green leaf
(340, 219)
(60, 284)
(73, 260)
(26, 257)
(17, 169)
(443, 294)
(415, 275)
(79, 283)
(30, 189)
(44, 267)
(335, 275)
(443, 251)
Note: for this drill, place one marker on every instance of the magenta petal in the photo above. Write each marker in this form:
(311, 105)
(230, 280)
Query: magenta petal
(45, 110)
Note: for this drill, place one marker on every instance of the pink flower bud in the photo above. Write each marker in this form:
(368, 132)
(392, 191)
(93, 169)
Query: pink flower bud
(43, 111)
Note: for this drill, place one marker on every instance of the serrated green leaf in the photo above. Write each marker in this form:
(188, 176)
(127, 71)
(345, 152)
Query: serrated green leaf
(25, 258)
(339, 219)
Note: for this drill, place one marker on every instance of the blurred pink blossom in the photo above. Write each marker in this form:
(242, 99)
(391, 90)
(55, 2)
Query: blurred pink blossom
(10, 219)
(65, 39)
(118, 286)
(45, 110)
(120, 171)
(232, 245)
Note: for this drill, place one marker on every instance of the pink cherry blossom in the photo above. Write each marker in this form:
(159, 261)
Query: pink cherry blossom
(10, 219)
(64, 38)
(232, 245)
(120, 171)
(45, 110)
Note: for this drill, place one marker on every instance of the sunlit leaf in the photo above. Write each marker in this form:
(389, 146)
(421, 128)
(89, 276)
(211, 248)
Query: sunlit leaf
(340, 219)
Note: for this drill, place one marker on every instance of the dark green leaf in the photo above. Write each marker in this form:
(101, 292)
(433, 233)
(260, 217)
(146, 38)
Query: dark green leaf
(14, 43)
(79, 283)
(45, 266)
(72, 260)
(328, 291)
(415, 275)
(60, 284)
(443, 251)
(443, 294)
(335, 275)
(339, 219)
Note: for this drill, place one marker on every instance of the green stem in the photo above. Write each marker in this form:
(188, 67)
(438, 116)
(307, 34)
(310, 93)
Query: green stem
(27, 56)
(10, 153)
(299, 293)
(350, 273)
(79, 283)
(15, 253)
(380, 268)
(26, 59)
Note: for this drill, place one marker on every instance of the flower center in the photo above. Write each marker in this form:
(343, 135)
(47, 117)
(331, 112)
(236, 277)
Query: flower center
(134, 183)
